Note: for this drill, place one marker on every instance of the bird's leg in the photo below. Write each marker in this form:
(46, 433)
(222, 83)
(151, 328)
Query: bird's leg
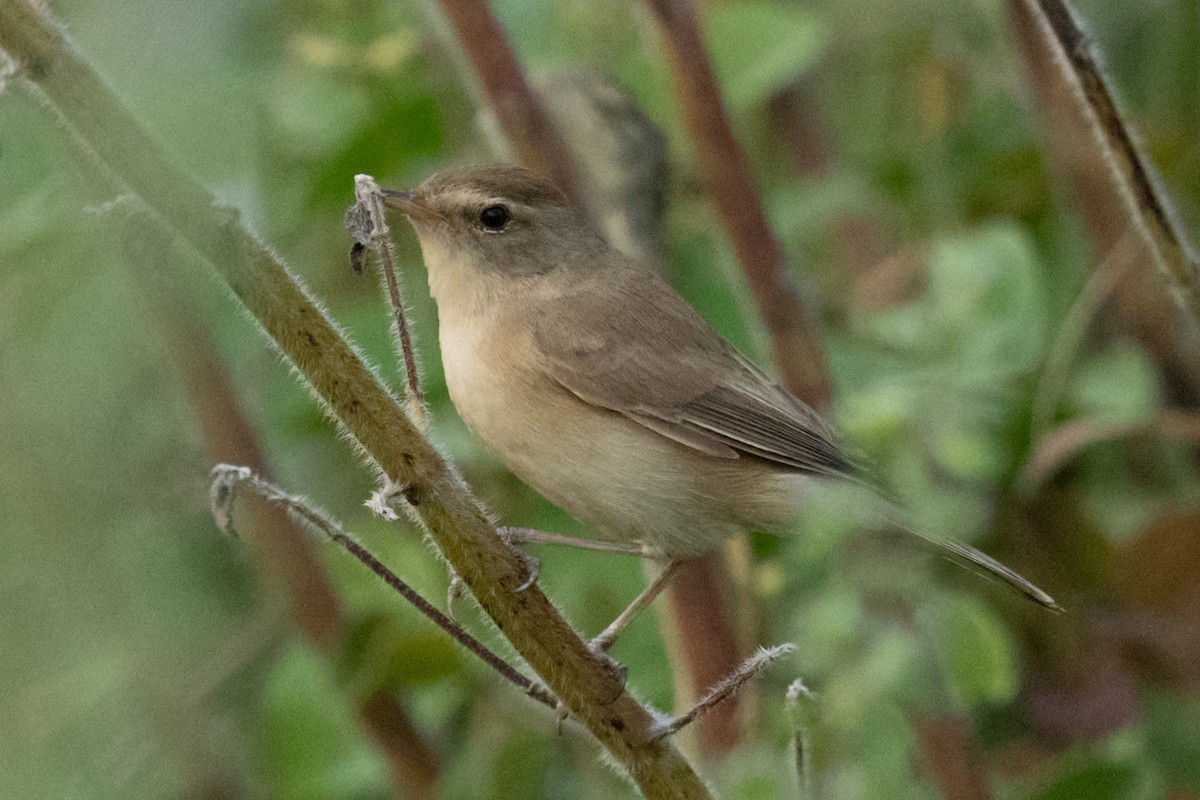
(519, 536)
(608, 636)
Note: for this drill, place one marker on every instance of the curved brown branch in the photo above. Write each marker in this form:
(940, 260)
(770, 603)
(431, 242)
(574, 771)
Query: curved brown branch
(947, 747)
(702, 608)
(282, 553)
(534, 140)
(589, 685)
(795, 337)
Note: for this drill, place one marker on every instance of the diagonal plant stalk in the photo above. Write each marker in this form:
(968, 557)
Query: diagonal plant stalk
(590, 686)
(282, 554)
(1144, 306)
(1133, 177)
(366, 220)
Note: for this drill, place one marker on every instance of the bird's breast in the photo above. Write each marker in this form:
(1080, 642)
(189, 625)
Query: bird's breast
(623, 480)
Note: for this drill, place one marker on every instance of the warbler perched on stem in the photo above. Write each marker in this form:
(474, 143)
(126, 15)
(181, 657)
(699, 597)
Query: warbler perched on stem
(597, 384)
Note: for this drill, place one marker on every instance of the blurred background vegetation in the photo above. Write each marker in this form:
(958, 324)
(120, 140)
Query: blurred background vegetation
(906, 168)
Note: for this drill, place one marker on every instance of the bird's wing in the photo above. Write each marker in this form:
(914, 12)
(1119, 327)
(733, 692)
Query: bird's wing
(663, 366)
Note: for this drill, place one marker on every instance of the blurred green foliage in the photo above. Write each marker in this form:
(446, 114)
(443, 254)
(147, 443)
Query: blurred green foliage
(140, 657)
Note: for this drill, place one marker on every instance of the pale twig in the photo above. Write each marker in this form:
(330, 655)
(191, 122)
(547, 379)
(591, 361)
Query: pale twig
(1059, 446)
(728, 687)
(803, 713)
(227, 478)
(1053, 376)
(367, 222)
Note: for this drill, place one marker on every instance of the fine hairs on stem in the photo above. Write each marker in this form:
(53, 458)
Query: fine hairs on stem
(227, 479)
(367, 222)
(726, 688)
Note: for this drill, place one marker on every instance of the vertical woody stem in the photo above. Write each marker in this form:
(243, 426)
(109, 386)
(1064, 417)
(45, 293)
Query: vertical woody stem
(531, 134)
(795, 335)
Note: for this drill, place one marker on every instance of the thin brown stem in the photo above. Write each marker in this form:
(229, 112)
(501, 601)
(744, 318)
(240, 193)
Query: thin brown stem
(227, 478)
(795, 335)
(701, 603)
(947, 749)
(486, 655)
(535, 142)
(1058, 447)
(376, 236)
(726, 687)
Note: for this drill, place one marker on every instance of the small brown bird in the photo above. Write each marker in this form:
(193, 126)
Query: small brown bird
(600, 386)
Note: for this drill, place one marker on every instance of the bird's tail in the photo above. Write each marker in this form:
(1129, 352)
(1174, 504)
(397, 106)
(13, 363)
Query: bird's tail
(881, 511)
(981, 563)
(974, 560)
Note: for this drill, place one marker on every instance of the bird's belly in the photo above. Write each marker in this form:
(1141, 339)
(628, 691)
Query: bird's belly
(625, 481)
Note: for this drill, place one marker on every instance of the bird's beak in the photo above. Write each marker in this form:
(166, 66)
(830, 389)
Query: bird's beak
(410, 204)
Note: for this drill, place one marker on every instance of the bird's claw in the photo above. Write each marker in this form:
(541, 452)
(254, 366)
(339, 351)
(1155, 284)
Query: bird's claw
(534, 565)
(602, 643)
(453, 593)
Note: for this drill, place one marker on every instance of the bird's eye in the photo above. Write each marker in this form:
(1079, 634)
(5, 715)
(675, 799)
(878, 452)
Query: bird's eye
(494, 218)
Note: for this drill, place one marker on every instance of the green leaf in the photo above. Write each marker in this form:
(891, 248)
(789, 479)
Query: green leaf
(759, 48)
(381, 652)
(344, 108)
(966, 450)
(1116, 385)
(1096, 780)
(976, 651)
(885, 752)
(986, 299)
(401, 130)
(309, 743)
(1172, 724)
